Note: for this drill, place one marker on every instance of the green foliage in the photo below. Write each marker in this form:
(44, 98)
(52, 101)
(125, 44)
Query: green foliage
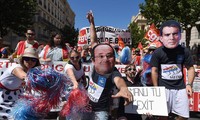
(137, 35)
(70, 35)
(16, 15)
(184, 11)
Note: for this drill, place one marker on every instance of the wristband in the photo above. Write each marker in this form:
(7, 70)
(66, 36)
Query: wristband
(189, 84)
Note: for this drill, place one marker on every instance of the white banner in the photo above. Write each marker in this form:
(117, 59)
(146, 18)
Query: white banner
(150, 100)
(105, 34)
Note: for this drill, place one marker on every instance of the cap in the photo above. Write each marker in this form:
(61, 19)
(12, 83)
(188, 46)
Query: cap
(30, 52)
(137, 50)
(152, 46)
(116, 46)
(85, 47)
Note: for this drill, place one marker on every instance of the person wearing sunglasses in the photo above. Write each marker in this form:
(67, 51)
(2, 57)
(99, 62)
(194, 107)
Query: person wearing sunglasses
(55, 50)
(74, 69)
(132, 79)
(12, 81)
(23, 44)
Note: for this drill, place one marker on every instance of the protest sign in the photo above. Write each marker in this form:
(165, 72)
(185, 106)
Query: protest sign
(150, 100)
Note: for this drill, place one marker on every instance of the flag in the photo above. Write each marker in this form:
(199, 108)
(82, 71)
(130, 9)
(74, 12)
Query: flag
(140, 46)
(120, 42)
(82, 38)
(152, 34)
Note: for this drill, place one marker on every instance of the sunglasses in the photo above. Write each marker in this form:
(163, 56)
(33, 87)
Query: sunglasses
(32, 59)
(129, 69)
(73, 58)
(30, 34)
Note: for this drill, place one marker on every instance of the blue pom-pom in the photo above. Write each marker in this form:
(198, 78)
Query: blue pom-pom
(125, 56)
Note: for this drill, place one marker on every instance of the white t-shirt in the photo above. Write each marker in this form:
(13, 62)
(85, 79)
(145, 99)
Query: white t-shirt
(78, 73)
(9, 80)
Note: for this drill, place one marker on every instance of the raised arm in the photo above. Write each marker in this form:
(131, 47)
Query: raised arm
(93, 35)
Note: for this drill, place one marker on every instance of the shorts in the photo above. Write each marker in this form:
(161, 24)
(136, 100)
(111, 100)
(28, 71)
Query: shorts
(178, 102)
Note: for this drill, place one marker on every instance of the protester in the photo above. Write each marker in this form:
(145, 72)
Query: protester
(85, 54)
(132, 79)
(167, 69)
(146, 67)
(137, 60)
(103, 77)
(74, 69)
(55, 50)
(5, 52)
(12, 81)
(23, 44)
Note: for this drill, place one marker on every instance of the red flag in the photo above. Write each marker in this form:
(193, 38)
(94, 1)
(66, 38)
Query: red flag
(82, 38)
(140, 46)
(152, 34)
(120, 42)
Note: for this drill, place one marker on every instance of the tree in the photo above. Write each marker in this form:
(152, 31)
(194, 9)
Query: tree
(137, 35)
(16, 15)
(184, 11)
(70, 35)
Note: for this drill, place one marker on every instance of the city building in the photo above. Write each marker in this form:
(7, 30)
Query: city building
(52, 15)
(141, 21)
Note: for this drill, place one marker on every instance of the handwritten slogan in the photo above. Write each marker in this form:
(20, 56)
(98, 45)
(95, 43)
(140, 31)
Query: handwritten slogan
(150, 100)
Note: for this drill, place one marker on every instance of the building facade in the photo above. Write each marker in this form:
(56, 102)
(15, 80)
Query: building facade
(52, 15)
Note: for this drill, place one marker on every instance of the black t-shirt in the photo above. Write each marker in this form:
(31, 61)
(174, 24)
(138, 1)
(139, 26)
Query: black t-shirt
(170, 63)
(104, 101)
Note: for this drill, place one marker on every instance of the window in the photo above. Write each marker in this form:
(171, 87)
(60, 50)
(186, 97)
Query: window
(40, 2)
(198, 30)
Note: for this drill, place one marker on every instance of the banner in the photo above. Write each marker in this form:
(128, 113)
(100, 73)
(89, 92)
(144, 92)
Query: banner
(59, 67)
(148, 100)
(105, 34)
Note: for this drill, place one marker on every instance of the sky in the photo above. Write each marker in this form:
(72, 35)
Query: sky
(115, 13)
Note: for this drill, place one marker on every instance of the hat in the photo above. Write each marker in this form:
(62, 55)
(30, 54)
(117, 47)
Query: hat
(116, 46)
(137, 50)
(152, 47)
(30, 52)
(85, 47)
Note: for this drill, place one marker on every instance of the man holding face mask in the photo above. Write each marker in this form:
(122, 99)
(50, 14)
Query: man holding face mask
(23, 44)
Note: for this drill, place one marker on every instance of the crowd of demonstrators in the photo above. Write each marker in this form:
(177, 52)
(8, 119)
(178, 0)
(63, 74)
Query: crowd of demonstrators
(154, 63)
(55, 50)
(167, 64)
(23, 44)
(103, 78)
(12, 81)
(132, 79)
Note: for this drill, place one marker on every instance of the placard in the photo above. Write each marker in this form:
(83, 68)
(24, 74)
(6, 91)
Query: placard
(150, 100)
